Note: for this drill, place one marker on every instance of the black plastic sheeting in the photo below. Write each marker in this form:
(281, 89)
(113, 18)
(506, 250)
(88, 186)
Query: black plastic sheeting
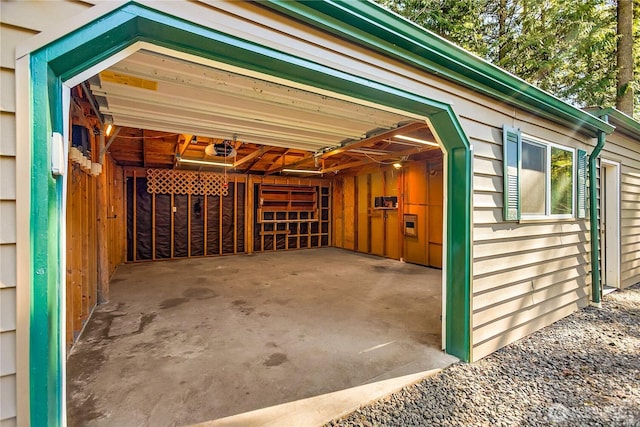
(197, 225)
(163, 226)
(181, 226)
(143, 230)
(186, 209)
(129, 219)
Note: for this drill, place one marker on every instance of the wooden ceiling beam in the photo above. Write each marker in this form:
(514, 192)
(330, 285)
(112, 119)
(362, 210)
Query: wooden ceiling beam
(399, 154)
(304, 159)
(260, 151)
(376, 138)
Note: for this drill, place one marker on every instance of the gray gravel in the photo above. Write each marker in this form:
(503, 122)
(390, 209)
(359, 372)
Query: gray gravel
(581, 371)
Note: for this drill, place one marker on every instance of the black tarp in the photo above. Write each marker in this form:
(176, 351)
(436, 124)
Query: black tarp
(129, 219)
(240, 189)
(228, 220)
(180, 226)
(163, 226)
(213, 225)
(197, 225)
(143, 221)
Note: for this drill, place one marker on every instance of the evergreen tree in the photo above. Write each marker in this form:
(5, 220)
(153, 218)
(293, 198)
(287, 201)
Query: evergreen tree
(567, 48)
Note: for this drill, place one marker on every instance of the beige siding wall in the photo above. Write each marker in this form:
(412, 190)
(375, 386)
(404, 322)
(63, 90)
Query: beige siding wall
(19, 21)
(525, 275)
(625, 150)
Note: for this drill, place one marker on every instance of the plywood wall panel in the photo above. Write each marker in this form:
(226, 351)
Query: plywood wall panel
(349, 214)
(338, 214)
(377, 217)
(363, 187)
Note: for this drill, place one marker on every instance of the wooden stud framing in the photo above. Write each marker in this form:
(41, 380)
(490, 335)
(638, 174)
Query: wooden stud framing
(235, 216)
(206, 222)
(188, 225)
(153, 226)
(172, 218)
(135, 230)
(220, 223)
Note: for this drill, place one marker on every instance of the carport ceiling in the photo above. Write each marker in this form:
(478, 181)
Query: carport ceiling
(167, 109)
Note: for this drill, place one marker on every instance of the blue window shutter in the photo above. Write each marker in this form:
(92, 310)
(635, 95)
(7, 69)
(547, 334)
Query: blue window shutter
(511, 145)
(581, 190)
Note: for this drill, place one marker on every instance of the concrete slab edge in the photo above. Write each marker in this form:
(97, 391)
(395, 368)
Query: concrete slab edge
(318, 410)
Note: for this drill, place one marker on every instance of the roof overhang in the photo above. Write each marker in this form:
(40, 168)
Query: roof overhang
(620, 120)
(369, 24)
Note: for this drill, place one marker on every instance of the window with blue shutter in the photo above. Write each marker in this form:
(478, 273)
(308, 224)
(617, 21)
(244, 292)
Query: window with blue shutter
(511, 145)
(582, 184)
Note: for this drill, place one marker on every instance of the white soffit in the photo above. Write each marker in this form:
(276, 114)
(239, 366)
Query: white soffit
(153, 91)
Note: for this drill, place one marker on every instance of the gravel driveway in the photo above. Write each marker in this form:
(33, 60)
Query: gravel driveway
(581, 371)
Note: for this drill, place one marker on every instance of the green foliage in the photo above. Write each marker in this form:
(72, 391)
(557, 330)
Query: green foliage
(567, 48)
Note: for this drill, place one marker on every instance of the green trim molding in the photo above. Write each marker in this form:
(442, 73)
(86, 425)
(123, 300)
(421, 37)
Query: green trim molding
(96, 41)
(369, 24)
(622, 122)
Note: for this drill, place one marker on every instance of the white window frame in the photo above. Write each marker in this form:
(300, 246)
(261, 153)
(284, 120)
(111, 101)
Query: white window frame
(548, 145)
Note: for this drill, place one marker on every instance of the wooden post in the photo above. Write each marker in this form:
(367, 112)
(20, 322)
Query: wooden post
(134, 233)
(188, 225)
(248, 214)
(235, 216)
(153, 226)
(205, 214)
(102, 206)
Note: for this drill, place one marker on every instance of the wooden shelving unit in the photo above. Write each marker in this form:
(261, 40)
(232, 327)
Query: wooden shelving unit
(292, 217)
(284, 198)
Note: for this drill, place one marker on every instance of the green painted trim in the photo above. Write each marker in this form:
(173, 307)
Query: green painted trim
(369, 24)
(458, 262)
(45, 361)
(619, 119)
(96, 41)
(593, 218)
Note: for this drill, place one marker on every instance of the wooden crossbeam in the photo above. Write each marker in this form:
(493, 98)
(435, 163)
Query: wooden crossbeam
(396, 155)
(374, 139)
(252, 156)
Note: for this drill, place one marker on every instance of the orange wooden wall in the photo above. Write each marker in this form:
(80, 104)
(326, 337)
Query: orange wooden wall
(358, 225)
(84, 213)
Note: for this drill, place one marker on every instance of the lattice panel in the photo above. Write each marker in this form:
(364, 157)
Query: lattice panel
(167, 181)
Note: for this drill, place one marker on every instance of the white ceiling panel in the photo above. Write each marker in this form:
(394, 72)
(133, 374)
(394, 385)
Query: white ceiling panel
(152, 91)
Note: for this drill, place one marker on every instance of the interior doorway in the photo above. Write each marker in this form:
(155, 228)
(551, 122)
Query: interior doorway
(610, 224)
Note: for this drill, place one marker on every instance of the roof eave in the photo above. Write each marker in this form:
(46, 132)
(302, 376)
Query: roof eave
(367, 23)
(622, 121)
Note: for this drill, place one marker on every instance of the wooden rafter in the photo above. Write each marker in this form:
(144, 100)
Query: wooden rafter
(374, 139)
(256, 154)
(305, 159)
(399, 154)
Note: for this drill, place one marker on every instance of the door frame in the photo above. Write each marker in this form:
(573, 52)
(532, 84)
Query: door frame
(43, 75)
(610, 228)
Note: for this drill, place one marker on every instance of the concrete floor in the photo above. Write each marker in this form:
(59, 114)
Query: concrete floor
(194, 340)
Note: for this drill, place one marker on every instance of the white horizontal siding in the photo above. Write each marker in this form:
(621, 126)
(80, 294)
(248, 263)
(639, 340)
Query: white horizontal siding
(7, 134)
(625, 150)
(7, 94)
(525, 275)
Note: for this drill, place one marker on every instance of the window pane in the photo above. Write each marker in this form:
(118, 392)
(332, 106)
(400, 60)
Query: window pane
(561, 181)
(533, 186)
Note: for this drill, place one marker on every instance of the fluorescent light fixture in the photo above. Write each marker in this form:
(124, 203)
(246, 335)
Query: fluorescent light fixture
(420, 141)
(302, 171)
(205, 163)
